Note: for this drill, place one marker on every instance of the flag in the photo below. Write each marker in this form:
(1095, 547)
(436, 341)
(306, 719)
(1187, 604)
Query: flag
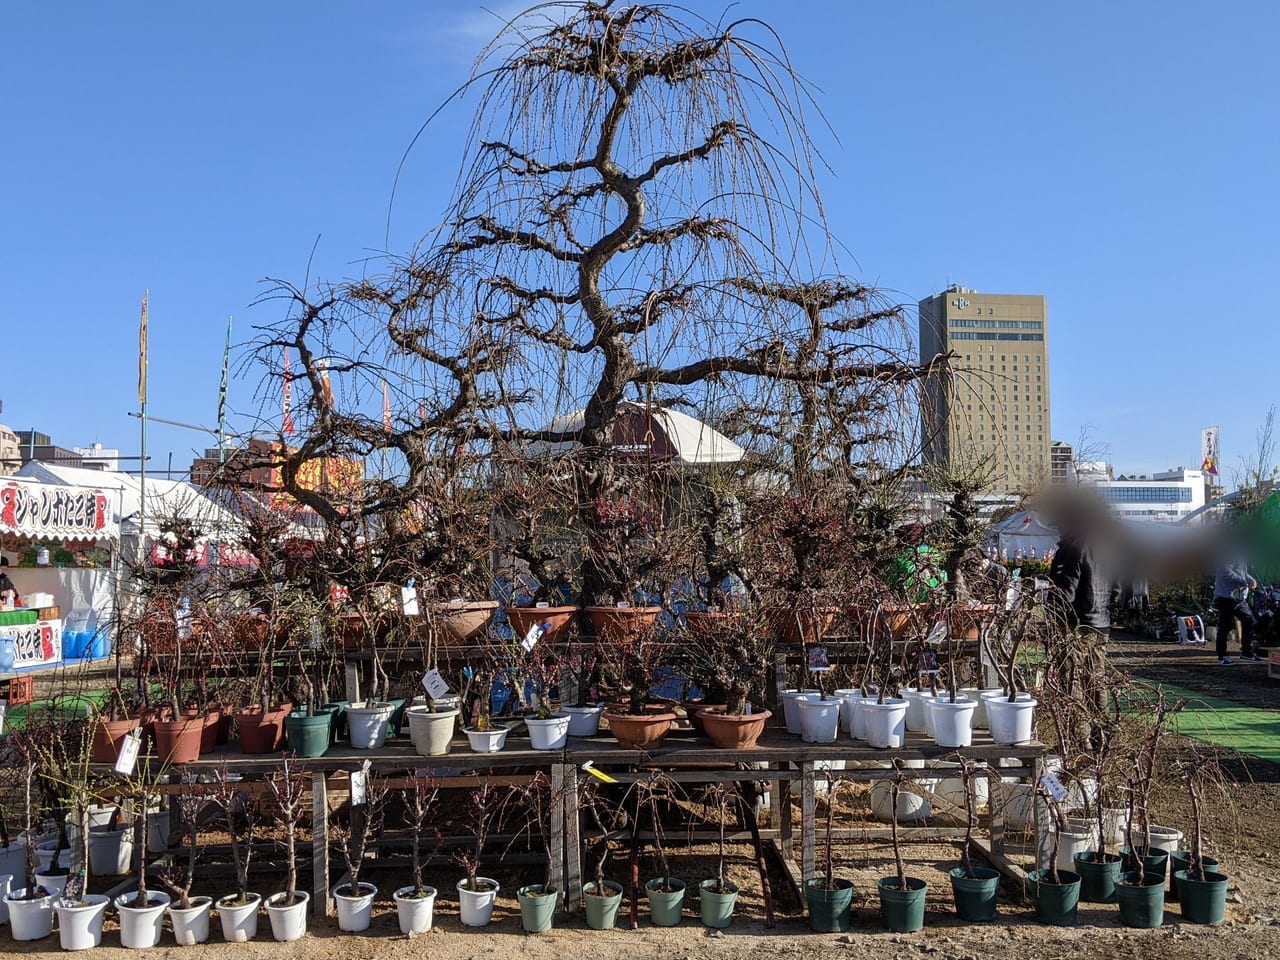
(222, 387)
(142, 353)
(386, 408)
(286, 399)
(1209, 450)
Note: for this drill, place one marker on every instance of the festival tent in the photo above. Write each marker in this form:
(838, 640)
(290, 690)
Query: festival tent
(649, 433)
(1023, 531)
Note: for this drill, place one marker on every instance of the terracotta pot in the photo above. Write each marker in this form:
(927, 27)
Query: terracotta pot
(693, 709)
(733, 731)
(209, 735)
(639, 732)
(805, 625)
(899, 617)
(464, 623)
(522, 618)
(107, 736)
(178, 741)
(703, 623)
(622, 624)
(261, 731)
(966, 622)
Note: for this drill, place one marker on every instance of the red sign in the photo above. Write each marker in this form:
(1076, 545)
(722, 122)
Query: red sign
(46, 510)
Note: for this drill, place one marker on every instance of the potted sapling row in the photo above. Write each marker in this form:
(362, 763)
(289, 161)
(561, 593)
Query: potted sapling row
(829, 898)
(477, 894)
(719, 894)
(189, 915)
(538, 900)
(415, 904)
(238, 911)
(354, 899)
(976, 890)
(287, 909)
(902, 898)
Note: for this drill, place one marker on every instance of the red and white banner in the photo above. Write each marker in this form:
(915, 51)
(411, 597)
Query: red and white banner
(35, 644)
(48, 511)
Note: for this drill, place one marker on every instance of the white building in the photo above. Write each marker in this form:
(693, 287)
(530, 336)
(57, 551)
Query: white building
(10, 454)
(98, 457)
(1167, 496)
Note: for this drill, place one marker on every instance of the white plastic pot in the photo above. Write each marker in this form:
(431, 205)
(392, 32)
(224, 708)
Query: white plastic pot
(432, 733)
(584, 721)
(912, 806)
(926, 707)
(6, 881)
(819, 719)
(1011, 722)
(140, 927)
(44, 855)
(80, 925)
(1018, 805)
(1071, 842)
(886, 722)
(915, 718)
(858, 723)
(191, 926)
(477, 905)
(847, 696)
(415, 913)
(952, 722)
(367, 724)
(951, 788)
(549, 734)
(1115, 824)
(487, 741)
(1168, 839)
(288, 920)
(790, 710)
(355, 911)
(110, 851)
(54, 883)
(239, 921)
(29, 919)
(980, 721)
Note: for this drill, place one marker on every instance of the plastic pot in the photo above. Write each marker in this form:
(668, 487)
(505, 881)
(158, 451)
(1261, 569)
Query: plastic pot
(717, 908)
(178, 741)
(45, 851)
(976, 893)
(1099, 875)
(239, 920)
(396, 721)
(108, 736)
(110, 851)
(846, 696)
(829, 909)
(1071, 842)
(902, 910)
(487, 741)
(80, 924)
(1167, 839)
(911, 805)
(915, 718)
(791, 709)
(819, 719)
(261, 731)
(367, 724)
(476, 906)
(537, 907)
(665, 906)
(1150, 863)
(308, 735)
(191, 926)
(432, 733)
(858, 721)
(886, 722)
(639, 731)
(584, 721)
(355, 907)
(29, 919)
(602, 907)
(1181, 860)
(1205, 900)
(731, 731)
(553, 620)
(1141, 900)
(549, 734)
(952, 722)
(288, 920)
(1011, 722)
(1056, 903)
(6, 881)
(140, 927)
(54, 884)
(415, 913)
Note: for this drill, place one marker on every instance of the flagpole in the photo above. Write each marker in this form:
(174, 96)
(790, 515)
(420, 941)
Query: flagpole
(142, 420)
(222, 396)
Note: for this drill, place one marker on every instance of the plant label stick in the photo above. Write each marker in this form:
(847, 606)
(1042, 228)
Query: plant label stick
(360, 785)
(409, 599)
(1053, 786)
(434, 684)
(127, 759)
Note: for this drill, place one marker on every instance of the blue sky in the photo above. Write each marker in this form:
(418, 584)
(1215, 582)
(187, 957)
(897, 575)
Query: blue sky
(1119, 158)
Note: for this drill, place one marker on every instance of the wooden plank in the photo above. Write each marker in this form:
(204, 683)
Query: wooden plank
(999, 861)
(782, 810)
(572, 840)
(321, 901)
(808, 811)
(790, 870)
(995, 806)
(555, 842)
(352, 677)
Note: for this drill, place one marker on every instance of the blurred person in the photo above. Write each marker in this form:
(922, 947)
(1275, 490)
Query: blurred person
(1231, 589)
(1083, 584)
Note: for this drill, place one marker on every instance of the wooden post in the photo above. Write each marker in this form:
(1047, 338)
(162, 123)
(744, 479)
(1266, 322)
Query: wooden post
(572, 840)
(353, 681)
(321, 902)
(782, 810)
(747, 816)
(555, 835)
(808, 808)
(996, 807)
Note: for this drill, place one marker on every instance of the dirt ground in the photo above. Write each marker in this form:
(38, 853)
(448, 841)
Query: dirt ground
(1243, 839)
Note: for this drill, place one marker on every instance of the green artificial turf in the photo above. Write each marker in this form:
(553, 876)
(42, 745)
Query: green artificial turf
(1247, 729)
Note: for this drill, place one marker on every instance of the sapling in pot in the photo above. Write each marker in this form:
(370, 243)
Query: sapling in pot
(719, 797)
(420, 796)
(895, 789)
(288, 787)
(240, 810)
(190, 805)
(482, 813)
(364, 820)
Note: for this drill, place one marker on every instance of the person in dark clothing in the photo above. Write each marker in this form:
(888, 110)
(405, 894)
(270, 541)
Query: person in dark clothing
(1082, 583)
(1231, 599)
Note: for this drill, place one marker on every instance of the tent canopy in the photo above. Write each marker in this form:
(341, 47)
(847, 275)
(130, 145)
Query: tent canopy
(649, 433)
(65, 512)
(1023, 531)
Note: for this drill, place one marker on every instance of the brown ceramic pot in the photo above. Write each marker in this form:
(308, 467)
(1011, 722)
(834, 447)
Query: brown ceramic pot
(622, 624)
(733, 731)
(107, 736)
(464, 623)
(639, 732)
(178, 741)
(522, 618)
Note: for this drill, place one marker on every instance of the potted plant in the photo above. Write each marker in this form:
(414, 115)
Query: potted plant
(189, 915)
(902, 898)
(354, 899)
(885, 718)
(732, 655)
(30, 906)
(477, 894)
(829, 899)
(1201, 886)
(976, 890)
(538, 900)
(632, 666)
(415, 904)
(1056, 892)
(289, 789)
(142, 911)
(1099, 870)
(238, 911)
(664, 892)
(719, 894)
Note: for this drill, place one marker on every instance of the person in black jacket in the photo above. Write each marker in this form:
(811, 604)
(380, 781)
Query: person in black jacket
(1081, 578)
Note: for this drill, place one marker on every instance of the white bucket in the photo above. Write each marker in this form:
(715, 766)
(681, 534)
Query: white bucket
(239, 921)
(584, 721)
(1011, 722)
(288, 921)
(549, 734)
(952, 722)
(80, 925)
(790, 711)
(886, 722)
(819, 719)
(355, 912)
(477, 905)
(368, 725)
(415, 913)
(915, 719)
(110, 851)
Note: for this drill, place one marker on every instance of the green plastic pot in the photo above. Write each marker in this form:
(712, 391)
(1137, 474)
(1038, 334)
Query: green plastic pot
(396, 720)
(1098, 878)
(1141, 899)
(1181, 860)
(829, 909)
(537, 907)
(717, 908)
(665, 906)
(976, 893)
(1152, 863)
(337, 710)
(1203, 901)
(602, 908)
(902, 910)
(1056, 903)
(308, 735)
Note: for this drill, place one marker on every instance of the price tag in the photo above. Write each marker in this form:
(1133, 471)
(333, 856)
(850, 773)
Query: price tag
(531, 638)
(317, 638)
(130, 746)
(360, 785)
(434, 684)
(542, 604)
(938, 634)
(598, 774)
(1053, 787)
(409, 600)
(457, 602)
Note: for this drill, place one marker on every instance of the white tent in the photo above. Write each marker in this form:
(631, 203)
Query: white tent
(656, 433)
(1023, 531)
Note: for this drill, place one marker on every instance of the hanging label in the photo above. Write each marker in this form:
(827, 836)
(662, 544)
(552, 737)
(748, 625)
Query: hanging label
(531, 638)
(1053, 787)
(818, 659)
(541, 604)
(317, 638)
(938, 634)
(409, 600)
(360, 785)
(434, 684)
(597, 774)
(130, 746)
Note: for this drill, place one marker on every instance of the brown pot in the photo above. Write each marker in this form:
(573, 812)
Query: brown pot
(622, 624)
(209, 735)
(463, 623)
(731, 731)
(693, 709)
(804, 625)
(522, 618)
(639, 732)
(178, 741)
(261, 731)
(108, 735)
(899, 617)
(703, 623)
(966, 622)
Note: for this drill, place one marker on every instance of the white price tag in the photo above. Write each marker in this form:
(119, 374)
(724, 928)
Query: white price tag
(360, 785)
(542, 604)
(434, 684)
(409, 601)
(531, 638)
(938, 634)
(1053, 787)
(130, 746)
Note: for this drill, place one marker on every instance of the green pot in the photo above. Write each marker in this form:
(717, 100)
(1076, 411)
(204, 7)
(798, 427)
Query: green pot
(1056, 903)
(976, 895)
(717, 908)
(602, 909)
(1181, 860)
(665, 906)
(308, 735)
(334, 714)
(829, 909)
(1098, 879)
(1141, 899)
(338, 711)
(1203, 901)
(537, 907)
(396, 720)
(902, 910)
(1153, 863)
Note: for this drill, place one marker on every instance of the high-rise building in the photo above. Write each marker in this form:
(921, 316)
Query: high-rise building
(996, 407)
